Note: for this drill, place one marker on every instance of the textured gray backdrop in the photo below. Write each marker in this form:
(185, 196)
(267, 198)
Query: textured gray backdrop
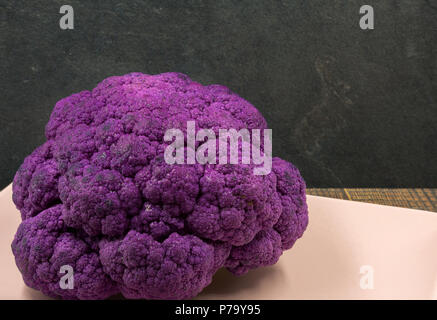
(348, 107)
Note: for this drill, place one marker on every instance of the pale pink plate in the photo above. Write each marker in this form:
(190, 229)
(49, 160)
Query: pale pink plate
(350, 250)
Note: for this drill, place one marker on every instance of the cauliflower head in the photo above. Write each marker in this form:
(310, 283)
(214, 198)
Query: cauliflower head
(99, 197)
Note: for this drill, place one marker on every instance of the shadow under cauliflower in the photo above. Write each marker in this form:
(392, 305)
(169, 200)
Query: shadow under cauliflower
(99, 197)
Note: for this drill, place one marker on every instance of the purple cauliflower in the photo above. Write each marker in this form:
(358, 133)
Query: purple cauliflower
(99, 197)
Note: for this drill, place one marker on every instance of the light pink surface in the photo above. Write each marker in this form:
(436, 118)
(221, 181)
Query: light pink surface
(399, 244)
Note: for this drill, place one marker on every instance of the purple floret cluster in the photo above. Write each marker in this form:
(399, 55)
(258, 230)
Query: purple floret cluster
(99, 197)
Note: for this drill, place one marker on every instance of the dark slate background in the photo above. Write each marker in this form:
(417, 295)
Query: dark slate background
(348, 107)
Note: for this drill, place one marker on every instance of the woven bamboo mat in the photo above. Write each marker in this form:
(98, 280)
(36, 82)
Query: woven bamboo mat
(423, 199)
